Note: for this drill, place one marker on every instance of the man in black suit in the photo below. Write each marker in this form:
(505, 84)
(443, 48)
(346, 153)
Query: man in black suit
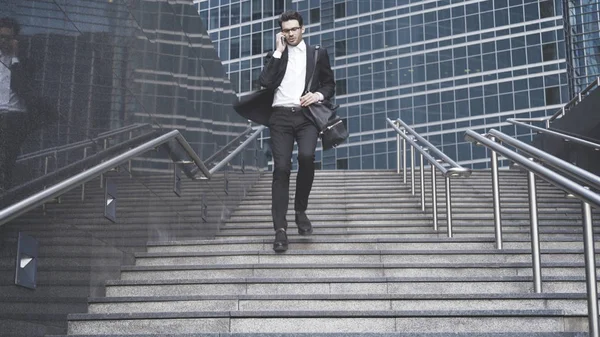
(285, 76)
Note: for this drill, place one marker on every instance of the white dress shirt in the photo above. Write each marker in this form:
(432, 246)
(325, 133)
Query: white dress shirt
(292, 86)
(8, 99)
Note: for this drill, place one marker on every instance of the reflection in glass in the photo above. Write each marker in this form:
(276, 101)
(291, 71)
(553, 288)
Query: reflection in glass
(107, 77)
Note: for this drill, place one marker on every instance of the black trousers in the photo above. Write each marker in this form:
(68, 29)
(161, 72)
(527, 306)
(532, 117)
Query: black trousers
(13, 131)
(287, 125)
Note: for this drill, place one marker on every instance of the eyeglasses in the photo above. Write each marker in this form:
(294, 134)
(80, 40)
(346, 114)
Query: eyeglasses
(291, 30)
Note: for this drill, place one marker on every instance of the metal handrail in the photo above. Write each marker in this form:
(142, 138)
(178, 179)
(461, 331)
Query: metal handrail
(577, 98)
(237, 150)
(52, 192)
(123, 129)
(577, 173)
(546, 120)
(455, 170)
(530, 120)
(564, 136)
(80, 144)
(66, 171)
(441, 155)
(588, 198)
(228, 145)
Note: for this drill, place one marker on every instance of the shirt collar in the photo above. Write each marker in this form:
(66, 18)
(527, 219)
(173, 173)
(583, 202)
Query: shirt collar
(301, 47)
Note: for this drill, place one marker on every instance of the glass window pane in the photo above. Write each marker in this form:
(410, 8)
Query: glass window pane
(340, 10)
(256, 9)
(246, 14)
(257, 44)
(546, 8)
(315, 15)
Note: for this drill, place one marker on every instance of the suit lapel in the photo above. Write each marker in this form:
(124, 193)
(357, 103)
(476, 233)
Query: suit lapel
(310, 65)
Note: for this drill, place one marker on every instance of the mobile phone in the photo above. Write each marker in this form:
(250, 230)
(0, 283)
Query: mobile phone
(283, 40)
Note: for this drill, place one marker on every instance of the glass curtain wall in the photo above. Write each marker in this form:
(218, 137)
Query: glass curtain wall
(441, 66)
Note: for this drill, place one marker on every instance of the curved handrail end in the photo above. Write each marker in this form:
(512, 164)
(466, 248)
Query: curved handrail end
(469, 138)
(455, 172)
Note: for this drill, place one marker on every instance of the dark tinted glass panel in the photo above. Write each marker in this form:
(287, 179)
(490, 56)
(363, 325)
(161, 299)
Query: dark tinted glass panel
(109, 76)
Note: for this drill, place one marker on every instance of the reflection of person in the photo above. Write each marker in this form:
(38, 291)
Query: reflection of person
(293, 60)
(11, 106)
(22, 108)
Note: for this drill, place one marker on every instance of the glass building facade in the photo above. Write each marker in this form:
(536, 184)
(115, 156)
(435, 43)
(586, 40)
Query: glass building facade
(441, 66)
(583, 38)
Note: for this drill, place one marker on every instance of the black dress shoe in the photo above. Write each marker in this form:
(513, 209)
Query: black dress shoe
(280, 244)
(304, 225)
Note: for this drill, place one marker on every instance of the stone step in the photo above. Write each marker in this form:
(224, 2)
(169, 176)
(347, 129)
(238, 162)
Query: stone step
(547, 217)
(325, 321)
(349, 233)
(398, 184)
(376, 199)
(342, 194)
(487, 205)
(386, 227)
(351, 285)
(40, 307)
(300, 270)
(571, 304)
(347, 334)
(385, 190)
(317, 243)
(345, 229)
(456, 209)
(416, 257)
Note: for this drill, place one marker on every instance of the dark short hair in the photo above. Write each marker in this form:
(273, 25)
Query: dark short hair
(10, 23)
(290, 15)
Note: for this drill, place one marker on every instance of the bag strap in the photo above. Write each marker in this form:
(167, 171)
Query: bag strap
(314, 68)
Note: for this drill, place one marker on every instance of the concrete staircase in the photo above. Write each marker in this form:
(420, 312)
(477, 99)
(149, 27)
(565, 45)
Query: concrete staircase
(373, 267)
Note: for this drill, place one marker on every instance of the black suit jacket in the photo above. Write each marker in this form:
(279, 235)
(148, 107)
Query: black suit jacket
(40, 110)
(257, 106)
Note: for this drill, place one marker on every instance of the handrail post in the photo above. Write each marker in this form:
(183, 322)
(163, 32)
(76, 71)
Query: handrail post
(422, 182)
(404, 157)
(262, 139)
(496, 198)
(590, 270)
(397, 150)
(547, 124)
(535, 235)
(449, 207)
(434, 198)
(412, 169)
(46, 165)
(85, 151)
(102, 174)
(129, 164)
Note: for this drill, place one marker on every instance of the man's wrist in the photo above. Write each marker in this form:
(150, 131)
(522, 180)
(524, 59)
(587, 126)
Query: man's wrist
(277, 54)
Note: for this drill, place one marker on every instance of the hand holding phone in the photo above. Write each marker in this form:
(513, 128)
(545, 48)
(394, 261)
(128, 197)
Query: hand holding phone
(280, 42)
